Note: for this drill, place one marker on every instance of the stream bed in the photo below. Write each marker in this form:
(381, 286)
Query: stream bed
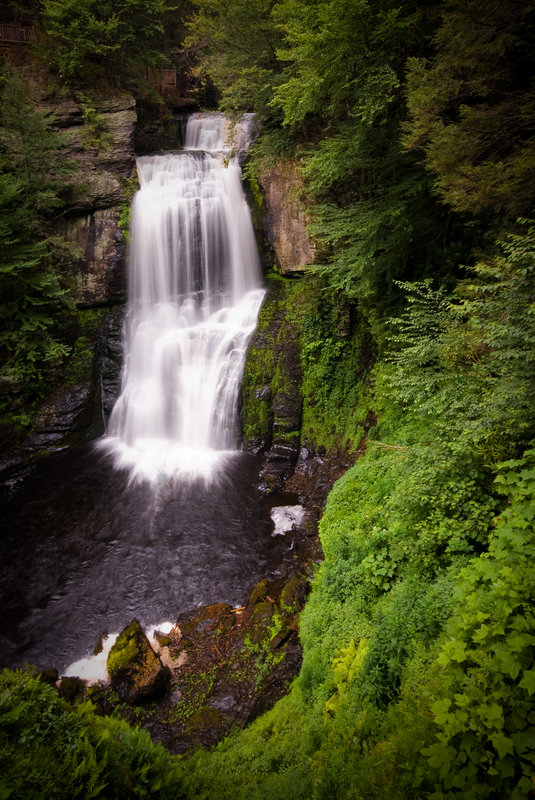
(84, 551)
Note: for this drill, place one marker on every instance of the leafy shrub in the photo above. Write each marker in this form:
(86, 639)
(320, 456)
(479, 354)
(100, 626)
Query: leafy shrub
(49, 750)
(484, 715)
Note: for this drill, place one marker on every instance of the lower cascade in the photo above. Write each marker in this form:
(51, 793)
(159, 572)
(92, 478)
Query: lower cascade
(194, 296)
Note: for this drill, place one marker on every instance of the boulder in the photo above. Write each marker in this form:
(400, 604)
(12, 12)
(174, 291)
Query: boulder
(293, 594)
(136, 672)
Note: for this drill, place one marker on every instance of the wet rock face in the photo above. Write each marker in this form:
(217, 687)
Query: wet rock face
(67, 418)
(69, 413)
(110, 347)
(100, 276)
(271, 391)
(136, 672)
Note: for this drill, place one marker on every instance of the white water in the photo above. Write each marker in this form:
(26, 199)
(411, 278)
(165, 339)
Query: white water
(194, 296)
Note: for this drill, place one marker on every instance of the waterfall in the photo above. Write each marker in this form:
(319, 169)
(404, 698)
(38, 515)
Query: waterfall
(194, 295)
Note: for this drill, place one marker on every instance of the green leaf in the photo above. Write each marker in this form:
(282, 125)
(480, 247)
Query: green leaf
(528, 681)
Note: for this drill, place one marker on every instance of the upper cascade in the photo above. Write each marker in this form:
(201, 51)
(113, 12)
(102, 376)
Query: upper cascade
(217, 133)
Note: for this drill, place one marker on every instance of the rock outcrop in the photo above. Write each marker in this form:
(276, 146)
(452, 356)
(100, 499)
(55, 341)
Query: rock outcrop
(99, 276)
(285, 218)
(136, 672)
(99, 139)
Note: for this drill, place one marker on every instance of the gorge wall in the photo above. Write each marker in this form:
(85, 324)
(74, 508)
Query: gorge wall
(99, 140)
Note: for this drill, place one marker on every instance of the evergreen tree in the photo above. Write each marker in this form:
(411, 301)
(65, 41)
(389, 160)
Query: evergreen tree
(343, 86)
(472, 107)
(235, 46)
(34, 305)
(110, 39)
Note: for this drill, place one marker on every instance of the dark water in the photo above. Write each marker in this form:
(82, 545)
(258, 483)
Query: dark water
(82, 553)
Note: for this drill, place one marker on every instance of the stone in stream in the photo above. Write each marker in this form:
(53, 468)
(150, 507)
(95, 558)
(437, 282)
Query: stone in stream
(136, 672)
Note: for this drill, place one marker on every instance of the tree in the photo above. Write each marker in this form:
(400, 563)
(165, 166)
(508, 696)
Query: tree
(112, 38)
(235, 45)
(466, 363)
(34, 305)
(342, 88)
(472, 107)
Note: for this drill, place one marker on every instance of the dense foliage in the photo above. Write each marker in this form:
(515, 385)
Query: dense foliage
(412, 125)
(49, 751)
(418, 637)
(33, 304)
(91, 39)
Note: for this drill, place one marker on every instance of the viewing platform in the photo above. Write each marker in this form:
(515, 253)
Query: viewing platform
(162, 78)
(16, 34)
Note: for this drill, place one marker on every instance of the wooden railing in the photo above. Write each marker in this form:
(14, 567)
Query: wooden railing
(16, 34)
(162, 78)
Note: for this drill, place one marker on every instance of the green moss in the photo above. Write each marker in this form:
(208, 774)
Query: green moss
(336, 356)
(292, 594)
(130, 185)
(124, 650)
(261, 364)
(255, 195)
(310, 350)
(192, 708)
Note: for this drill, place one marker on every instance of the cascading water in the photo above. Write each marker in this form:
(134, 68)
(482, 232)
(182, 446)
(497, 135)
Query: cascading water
(194, 295)
(86, 549)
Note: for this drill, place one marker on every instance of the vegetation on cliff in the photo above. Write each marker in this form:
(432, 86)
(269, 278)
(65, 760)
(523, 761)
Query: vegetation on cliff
(34, 305)
(414, 129)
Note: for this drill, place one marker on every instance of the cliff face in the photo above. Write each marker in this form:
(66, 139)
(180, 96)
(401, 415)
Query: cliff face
(271, 396)
(271, 387)
(285, 217)
(99, 138)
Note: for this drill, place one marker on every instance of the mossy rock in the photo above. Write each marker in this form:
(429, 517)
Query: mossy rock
(293, 594)
(206, 619)
(136, 672)
(226, 623)
(282, 635)
(259, 592)
(261, 621)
